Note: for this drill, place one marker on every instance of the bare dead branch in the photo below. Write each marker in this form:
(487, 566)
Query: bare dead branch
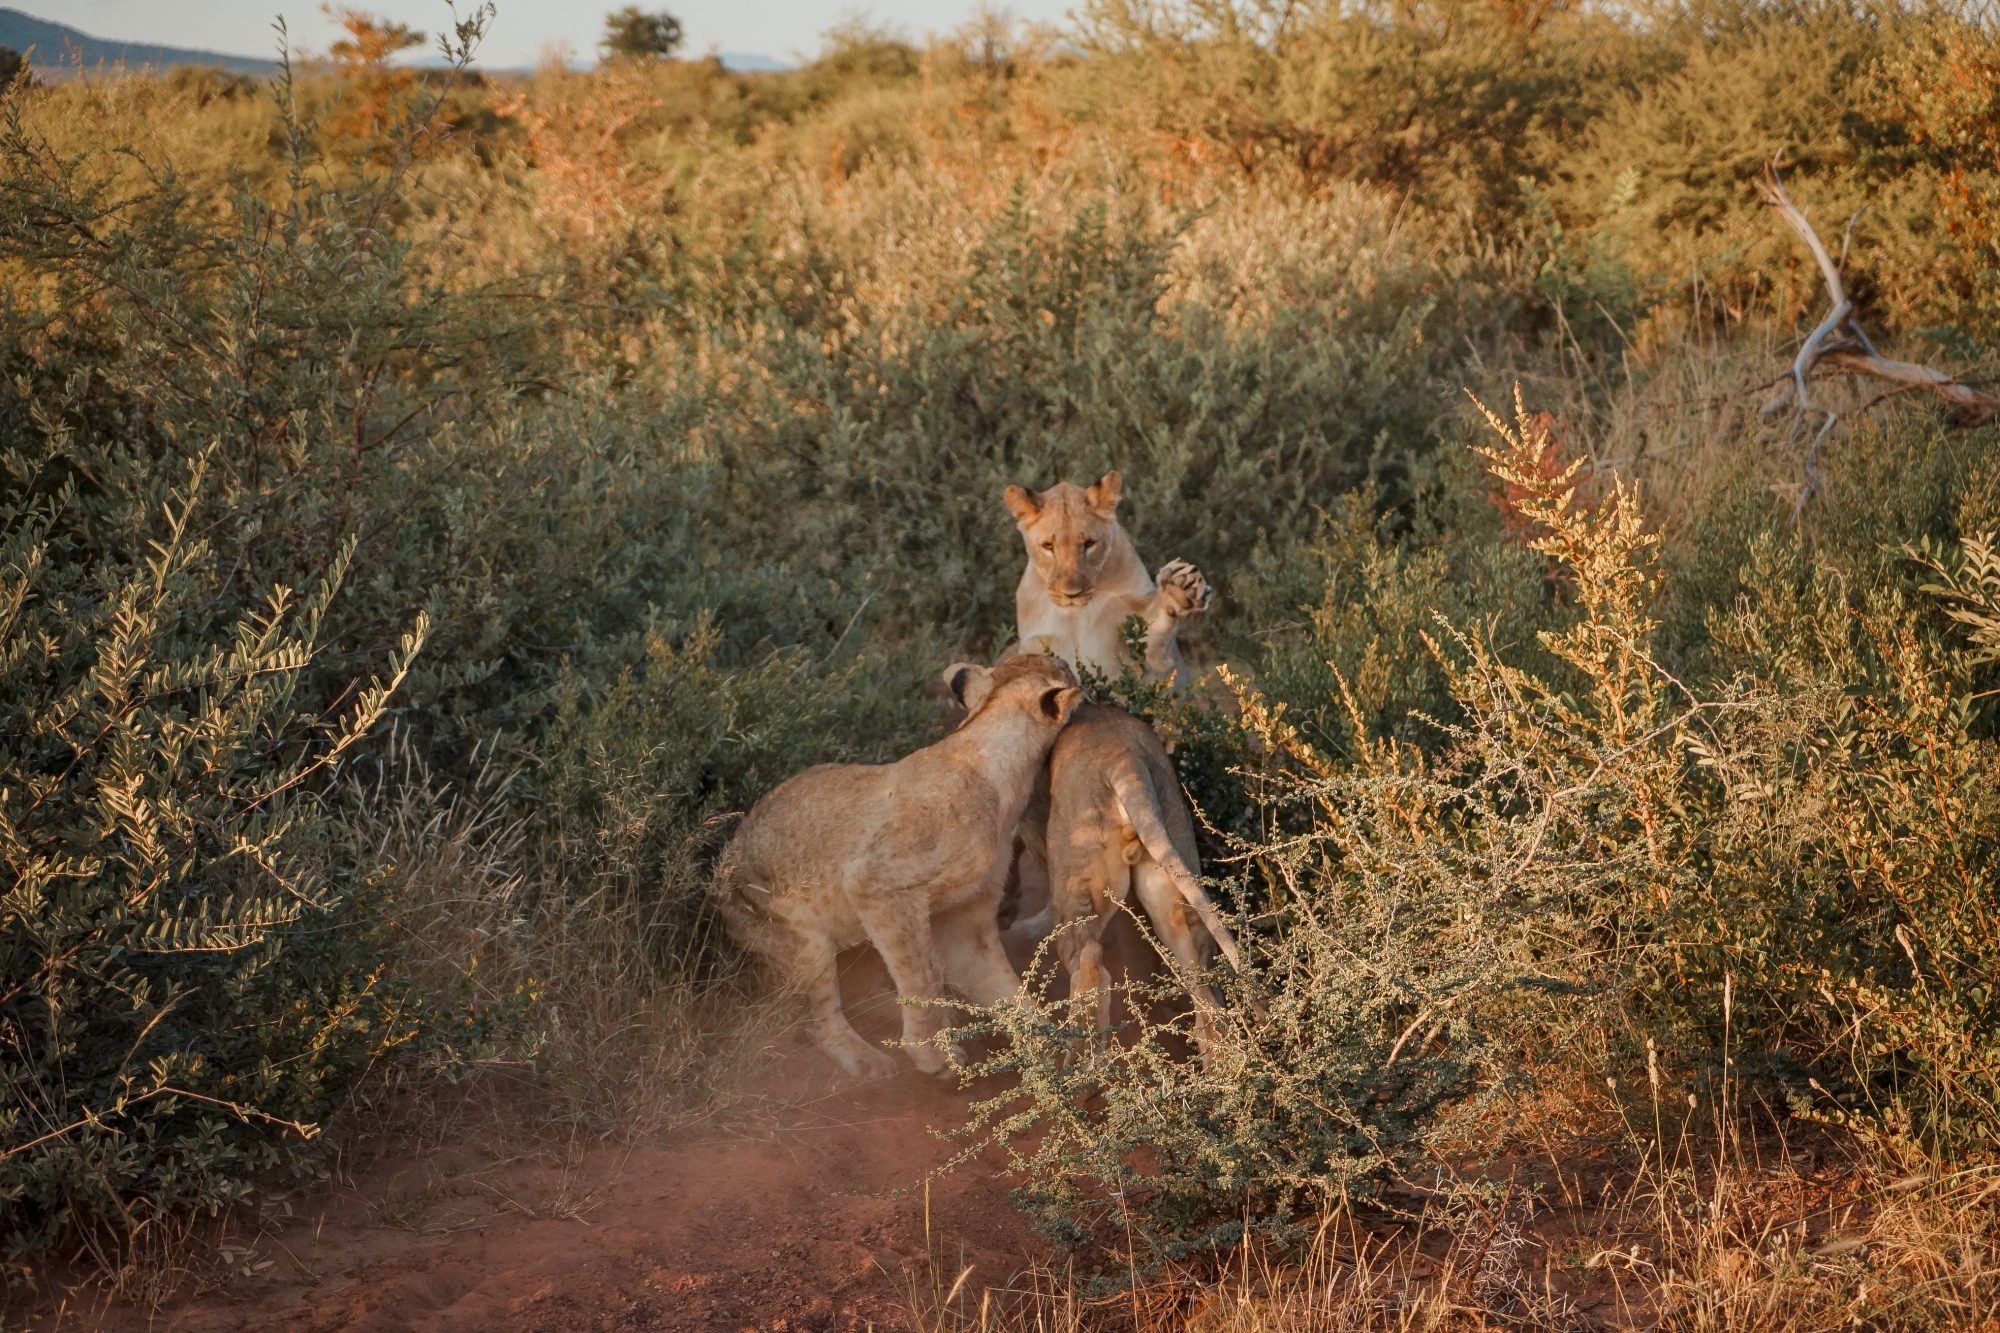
(1974, 405)
(1839, 343)
(1774, 195)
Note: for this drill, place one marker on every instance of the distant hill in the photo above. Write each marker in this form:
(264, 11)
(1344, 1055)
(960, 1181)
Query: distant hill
(58, 48)
(751, 64)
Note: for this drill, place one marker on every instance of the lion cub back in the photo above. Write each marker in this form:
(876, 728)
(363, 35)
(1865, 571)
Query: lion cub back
(797, 845)
(1103, 750)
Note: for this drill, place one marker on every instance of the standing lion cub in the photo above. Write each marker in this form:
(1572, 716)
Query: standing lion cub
(910, 857)
(1117, 821)
(1084, 581)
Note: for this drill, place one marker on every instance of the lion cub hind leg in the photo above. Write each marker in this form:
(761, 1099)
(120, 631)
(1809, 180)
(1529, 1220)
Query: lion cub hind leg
(899, 926)
(812, 966)
(1081, 947)
(1192, 948)
(1085, 902)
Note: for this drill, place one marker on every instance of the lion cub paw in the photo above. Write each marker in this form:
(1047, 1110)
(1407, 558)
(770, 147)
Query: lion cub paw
(943, 1064)
(1183, 588)
(859, 1059)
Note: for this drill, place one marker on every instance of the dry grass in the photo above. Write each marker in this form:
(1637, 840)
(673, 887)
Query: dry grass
(1573, 1208)
(631, 1027)
(1767, 1238)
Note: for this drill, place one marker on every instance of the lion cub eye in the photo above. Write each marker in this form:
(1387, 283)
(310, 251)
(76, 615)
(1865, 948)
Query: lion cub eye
(1048, 546)
(1089, 542)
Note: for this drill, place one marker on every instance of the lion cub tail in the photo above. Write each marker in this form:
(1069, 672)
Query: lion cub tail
(1145, 813)
(739, 900)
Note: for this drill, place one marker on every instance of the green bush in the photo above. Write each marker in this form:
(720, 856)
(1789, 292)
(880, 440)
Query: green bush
(1882, 116)
(1357, 600)
(1419, 908)
(1798, 853)
(639, 774)
(1849, 853)
(1057, 357)
(1450, 102)
(191, 982)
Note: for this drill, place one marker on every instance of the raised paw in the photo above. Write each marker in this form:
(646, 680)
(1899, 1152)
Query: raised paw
(1183, 588)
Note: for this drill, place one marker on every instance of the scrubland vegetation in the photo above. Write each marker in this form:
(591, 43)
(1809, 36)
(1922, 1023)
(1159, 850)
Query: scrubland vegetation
(432, 506)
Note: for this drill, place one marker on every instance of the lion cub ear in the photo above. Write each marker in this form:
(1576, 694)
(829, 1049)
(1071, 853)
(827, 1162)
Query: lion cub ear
(1059, 702)
(1022, 504)
(1104, 492)
(969, 683)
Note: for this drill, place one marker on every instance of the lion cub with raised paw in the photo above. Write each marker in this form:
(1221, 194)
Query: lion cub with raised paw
(1084, 580)
(1117, 821)
(910, 857)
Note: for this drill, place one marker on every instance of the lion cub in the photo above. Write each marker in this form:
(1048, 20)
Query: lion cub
(1084, 580)
(909, 856)
(1116, 821)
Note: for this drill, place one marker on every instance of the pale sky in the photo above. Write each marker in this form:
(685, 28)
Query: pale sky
(782, 29)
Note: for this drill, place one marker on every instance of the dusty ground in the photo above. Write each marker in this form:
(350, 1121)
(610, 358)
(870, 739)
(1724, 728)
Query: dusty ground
(801, 1230)
(809, 1215)
(810, 1218)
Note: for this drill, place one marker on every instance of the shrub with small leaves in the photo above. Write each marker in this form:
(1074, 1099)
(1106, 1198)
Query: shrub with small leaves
(1419, 908)
(188, 985)
(1585, 846)
(1849, 855)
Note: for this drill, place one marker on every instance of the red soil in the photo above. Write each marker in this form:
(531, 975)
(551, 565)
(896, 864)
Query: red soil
(815, 1222)
(796, 1231)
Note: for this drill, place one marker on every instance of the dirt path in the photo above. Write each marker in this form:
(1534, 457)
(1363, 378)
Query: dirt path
(813, 1218)
(814, 1222)
(803, 1230)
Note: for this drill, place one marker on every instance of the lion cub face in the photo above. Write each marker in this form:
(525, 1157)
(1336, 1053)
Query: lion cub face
(1070, 532)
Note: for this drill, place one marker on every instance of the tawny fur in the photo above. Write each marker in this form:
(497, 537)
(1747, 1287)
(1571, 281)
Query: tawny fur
(1084, 580)
(910, 857)
(1117, 821)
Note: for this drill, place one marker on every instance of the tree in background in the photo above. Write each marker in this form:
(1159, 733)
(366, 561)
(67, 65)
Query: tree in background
(633, 34)
(362, 58)
(371, 42)
(13, 67)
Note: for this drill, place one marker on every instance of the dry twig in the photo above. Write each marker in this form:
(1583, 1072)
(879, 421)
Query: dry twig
(1839, 343)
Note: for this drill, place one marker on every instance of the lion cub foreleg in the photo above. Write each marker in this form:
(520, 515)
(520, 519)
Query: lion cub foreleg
(1180, 592)
(969, 947)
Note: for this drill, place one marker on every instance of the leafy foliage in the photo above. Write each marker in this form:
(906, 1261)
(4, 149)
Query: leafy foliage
(190, 986)
(633, 34)
(1845, 855)
(1816, 842)
(1421, 904)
